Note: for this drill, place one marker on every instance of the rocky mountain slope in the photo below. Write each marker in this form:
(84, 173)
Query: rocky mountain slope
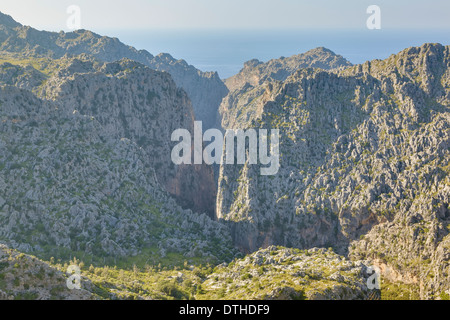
(364, 165)
(245, 86)
(86, 157)
(256, 72)
(127, 106)
(24, 277)
(269, 274)
(205, 89)
(85, 170)
(290, 274)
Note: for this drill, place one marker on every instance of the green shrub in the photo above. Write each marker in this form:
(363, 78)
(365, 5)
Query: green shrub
(445, 296)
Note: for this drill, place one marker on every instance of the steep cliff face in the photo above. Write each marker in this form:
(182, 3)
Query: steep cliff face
(205, 89)
(364, 165)
(123, 98)
(83, 169)
(274, 273)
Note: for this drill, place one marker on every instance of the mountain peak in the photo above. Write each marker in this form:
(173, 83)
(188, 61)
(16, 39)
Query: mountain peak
(8, 21)
(252, 63)
(320, 49)
(165, 56)
(256, 72)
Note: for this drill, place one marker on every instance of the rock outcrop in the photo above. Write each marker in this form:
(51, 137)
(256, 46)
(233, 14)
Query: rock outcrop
(364, 165)
(256, 72)
(85, 159)
(278, 273)
(245, 86)
(205, 89)
(24, 277)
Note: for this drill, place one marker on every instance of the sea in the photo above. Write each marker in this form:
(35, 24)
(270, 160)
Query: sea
(225, 51)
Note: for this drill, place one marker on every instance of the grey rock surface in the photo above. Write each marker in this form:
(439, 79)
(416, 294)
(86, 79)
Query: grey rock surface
(364, 164)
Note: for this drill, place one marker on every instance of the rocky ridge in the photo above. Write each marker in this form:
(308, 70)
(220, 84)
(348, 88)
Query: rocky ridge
(205, 89)
(81, 169)
(24, 277)
(364, 165)
(274, 273)
(246, 86)
(277, 273)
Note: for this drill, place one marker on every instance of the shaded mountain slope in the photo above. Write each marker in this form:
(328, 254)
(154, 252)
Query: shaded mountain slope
(81, 171)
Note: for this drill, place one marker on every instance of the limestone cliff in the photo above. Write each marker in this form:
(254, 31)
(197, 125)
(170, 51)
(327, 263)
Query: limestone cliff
(364, 165)
(85, 156)
(204, 89)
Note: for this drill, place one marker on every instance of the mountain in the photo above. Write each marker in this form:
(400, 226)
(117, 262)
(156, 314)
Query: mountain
(364, 165)
(85, 163)
(255, 72)
(205, 89)
(246, 85)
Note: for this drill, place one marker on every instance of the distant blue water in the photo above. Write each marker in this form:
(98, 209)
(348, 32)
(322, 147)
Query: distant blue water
(226, 51)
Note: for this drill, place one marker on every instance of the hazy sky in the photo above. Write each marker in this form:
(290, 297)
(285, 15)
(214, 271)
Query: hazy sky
(237, 14)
